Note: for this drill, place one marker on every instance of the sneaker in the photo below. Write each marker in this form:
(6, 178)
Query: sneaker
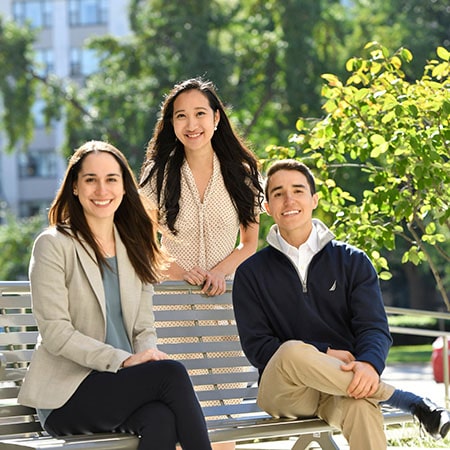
(433, 418)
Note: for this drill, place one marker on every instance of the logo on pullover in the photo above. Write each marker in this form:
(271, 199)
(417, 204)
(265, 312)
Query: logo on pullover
(333, 286)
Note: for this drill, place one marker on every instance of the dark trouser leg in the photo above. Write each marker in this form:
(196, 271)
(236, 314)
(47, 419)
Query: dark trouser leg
(109, 402)
(155, 423)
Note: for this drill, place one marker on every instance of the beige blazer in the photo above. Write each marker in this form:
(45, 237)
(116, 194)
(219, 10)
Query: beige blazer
(68, 303)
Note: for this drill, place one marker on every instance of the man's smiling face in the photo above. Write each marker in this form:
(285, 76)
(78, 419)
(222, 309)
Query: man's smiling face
(291, 203)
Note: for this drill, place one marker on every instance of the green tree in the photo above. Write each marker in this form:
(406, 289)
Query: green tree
(265, 56)
(421, 25)
(395, 135)
(17, 83)
(16, 241)
(170, 42)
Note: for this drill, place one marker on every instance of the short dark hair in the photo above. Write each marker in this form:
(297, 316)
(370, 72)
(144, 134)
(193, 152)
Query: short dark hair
(289, 164)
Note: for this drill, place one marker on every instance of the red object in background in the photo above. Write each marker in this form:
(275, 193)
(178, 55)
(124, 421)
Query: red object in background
(437, 360)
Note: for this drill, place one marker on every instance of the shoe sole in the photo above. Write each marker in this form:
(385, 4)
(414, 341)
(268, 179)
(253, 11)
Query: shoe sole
(444, 429)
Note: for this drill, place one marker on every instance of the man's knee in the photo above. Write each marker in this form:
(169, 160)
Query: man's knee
(293, 352)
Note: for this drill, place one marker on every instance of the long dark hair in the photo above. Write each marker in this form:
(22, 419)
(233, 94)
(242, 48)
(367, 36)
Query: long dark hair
(135, 227)
(165, 154)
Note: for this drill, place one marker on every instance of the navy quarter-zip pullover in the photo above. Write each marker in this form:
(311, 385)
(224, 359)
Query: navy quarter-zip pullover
(338, 306)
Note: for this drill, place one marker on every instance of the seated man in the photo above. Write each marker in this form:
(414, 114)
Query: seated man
(311, 319)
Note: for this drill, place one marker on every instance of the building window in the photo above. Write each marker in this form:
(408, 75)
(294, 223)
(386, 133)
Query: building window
(33, 208)
(88, 12)
(45, 61)
(38, 112)
(37, 164)
(83, 62)
(38, 13)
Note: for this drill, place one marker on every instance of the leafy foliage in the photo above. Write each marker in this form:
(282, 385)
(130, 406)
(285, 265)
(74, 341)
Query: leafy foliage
(395, 134)
(16, 240)
(265, 56)
(17, 86)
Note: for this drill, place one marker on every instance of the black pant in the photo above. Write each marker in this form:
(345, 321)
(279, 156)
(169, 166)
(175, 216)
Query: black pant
(154, 400)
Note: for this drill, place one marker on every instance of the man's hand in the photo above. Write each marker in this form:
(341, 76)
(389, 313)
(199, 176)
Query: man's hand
(365, 379)
(342, 355)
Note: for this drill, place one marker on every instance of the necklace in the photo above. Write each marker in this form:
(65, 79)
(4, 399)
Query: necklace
(107, 254)
(111, 246)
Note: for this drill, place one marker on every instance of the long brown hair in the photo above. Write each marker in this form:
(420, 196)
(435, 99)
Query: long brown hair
(136, 229)
(238, 165)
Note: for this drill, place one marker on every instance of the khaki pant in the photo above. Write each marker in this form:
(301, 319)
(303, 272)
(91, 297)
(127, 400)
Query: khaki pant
(301, 381)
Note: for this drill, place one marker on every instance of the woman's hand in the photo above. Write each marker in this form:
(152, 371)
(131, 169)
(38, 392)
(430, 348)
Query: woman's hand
(151, 354)
(196, 276)
(215, 283)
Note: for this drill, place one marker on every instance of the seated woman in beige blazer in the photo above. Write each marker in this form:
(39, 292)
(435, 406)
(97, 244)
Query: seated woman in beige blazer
(96, 367)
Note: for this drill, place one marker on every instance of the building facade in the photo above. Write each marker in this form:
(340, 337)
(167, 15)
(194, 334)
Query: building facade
(29, 180)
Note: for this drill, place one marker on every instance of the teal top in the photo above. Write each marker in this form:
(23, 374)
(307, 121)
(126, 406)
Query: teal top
(116, 335)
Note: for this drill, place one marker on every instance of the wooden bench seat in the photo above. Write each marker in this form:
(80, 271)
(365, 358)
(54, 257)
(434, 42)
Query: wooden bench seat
(193, 328)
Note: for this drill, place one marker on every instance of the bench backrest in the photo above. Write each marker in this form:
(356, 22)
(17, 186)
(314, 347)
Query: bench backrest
(191, 327)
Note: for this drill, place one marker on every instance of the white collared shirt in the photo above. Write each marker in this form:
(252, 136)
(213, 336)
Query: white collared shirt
(302, 255)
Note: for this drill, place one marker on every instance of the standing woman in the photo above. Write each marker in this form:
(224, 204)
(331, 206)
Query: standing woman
(203, 183)
(96, 367)
(204, 188)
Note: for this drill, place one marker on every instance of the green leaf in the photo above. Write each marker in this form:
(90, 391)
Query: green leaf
(443, 53)
(385, 276)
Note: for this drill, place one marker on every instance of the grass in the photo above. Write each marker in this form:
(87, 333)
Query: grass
(410, 354)
(410, 436)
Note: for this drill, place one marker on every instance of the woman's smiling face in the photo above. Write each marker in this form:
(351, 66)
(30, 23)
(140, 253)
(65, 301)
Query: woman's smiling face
(99, 186)
(194, 120)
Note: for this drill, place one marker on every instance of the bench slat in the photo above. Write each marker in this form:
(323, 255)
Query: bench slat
(8, 391)
(15, 301)
(188, 300)
(18, 337)
(14, 411)
(201, 347)
(16, 356)
(205, 363)
(222, 378)
(16, 429)
(201, 330)
(17, 320)
(195, 315)
(113, 441)
(229, 410)
(15, 374)
(227, 394)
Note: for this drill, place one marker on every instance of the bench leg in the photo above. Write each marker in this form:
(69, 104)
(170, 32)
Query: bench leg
(324, 439)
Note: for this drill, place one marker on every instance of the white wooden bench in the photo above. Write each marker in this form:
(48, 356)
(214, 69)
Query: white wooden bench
(193, 328)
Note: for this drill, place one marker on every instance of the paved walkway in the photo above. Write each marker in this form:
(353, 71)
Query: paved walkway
(417, 378)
